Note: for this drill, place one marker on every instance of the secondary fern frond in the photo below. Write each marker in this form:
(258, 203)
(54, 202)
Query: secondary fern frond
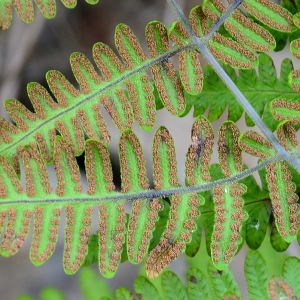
(282, 190)
(226, 207)
(75, 111)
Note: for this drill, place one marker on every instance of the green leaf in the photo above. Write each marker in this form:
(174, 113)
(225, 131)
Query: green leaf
(197, 285)
(145, 289)
(277, 242)
(93, 251)
(173, 287)
(92, 286)
(123, 294)
(256, 276)
(257, 223)
(24, 297)
(291, 273)
(222, 281)
(51, 293)
(193, 247)
(258, 89)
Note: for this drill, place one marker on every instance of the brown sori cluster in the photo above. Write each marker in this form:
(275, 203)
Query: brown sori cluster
(167, 249)
(103, 133)
(58, 85)
(117, 238)
(27, 15)
(223, 148)
(29, 154)
(36, 92)
(150, 101)
(102, 237)
(248, 23)
(107, 69)
(295, 74)
(185, 74)
(7, 12)
(163, 137)
(126, 34)
(70, 3)
(287, 135)
(218, 38)
(4, 127)
(275, 288)
(125, 164)
(167, 67)
(230, 297)
(286, 289)
(3, 189)
(286, 104)
(43, 146)
(10, 172)
(265, 19)
(193, 212)
(109, 105)
(199, 21)
(78, 144)
(15, 163)
(48, 12)
(2, 220)
(199, 152)
(12, 241)
(211, 15)
(152, 216)
(90, 167)
(162, 255)
(78, 62)
(72, 266)
(280, 205)
(179, 29)
(238, 216)
(63, 148)
(257, 138)
(19, 113)
(35, 254)
(151, 41)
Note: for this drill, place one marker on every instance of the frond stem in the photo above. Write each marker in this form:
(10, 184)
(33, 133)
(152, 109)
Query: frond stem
(150, 194)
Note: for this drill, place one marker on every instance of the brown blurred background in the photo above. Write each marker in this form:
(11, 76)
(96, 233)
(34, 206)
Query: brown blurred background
(27, 52)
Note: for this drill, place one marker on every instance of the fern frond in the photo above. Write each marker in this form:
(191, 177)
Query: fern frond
(282, 189)
(73, 111)
(25, 9)
(218, 97)
(256, 275)
(229, 212)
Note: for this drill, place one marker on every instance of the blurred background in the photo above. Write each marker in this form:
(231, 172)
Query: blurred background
(27, 52)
